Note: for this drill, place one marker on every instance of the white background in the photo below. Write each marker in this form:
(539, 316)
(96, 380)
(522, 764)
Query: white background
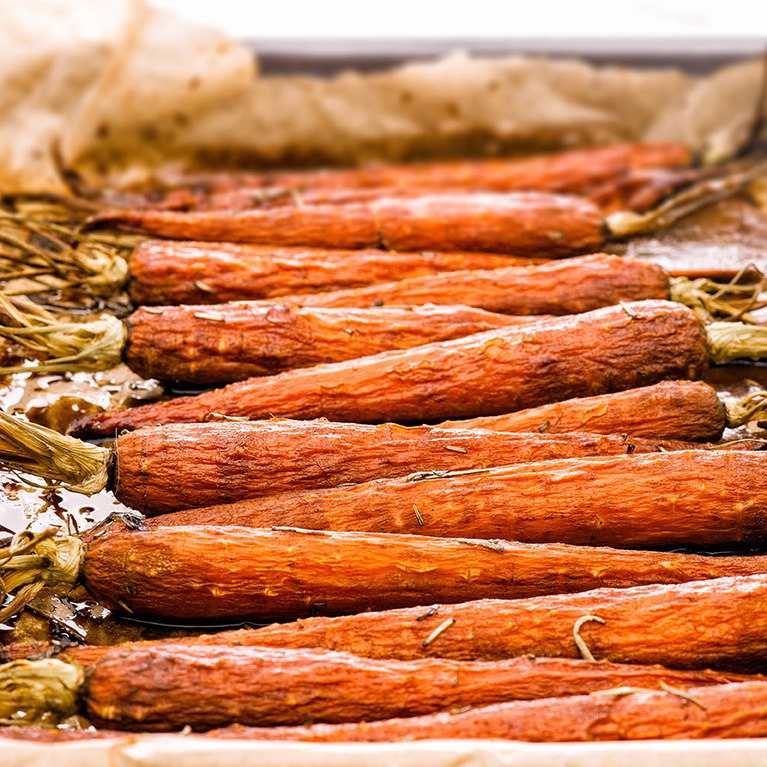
(348, 19)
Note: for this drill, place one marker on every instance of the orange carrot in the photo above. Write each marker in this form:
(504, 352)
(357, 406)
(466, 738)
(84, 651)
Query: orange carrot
(522, 224)
(168, 272)
(484, 374)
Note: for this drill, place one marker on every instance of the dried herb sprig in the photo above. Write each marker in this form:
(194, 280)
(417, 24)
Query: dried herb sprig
(39, 254)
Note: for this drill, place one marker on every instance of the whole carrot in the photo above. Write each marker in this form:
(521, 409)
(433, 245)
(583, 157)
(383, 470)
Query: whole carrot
(684, 498)
(636, 189)
(209, 686)
(570, 286)
(221, 343)
(729, 711)
(166, 686)
(234, 573)
(717, 623)
(522, 224)
(229, 342)
(484, 374)
(226, 461)
(168, 272)
(579, 171)
(230, 461)
(671, 409)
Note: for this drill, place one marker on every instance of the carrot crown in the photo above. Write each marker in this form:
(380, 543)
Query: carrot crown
(32, 561)
(707, 298)
(750, 408)
(728, 341)
(27, 447)
(37, 254)
(39, 692)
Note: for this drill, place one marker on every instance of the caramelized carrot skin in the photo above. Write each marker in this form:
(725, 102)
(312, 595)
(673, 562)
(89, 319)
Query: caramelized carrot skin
(231, 461)
(643, 625)
(635, 189)
(168, 686)
(229, 342)
(574, 285)
(167, 272)
(687, 410)
(522, 678)
(523, 224)
(682, 498)
(486, 374)
(577, 171)
(729, 711)
(199, 572)
(717, 623)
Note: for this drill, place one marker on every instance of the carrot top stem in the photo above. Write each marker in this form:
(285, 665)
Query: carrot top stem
(32, 561)
(708, 298)
(54, 256)
(752, 407)
(72, 346)
(28, 447)
(39, 692)
(713, 187)
(728, 341)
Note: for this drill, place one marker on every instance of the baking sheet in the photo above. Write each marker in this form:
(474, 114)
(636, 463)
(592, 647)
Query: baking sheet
(190, 751)
(235, 116)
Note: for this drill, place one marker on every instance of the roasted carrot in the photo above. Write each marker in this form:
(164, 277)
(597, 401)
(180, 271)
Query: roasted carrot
(221, 343)
(669, 409)
(168, 272)
(522, 224)
(728, 711)
(212, 686)
(569, 286)
(489, 373)
(235, 573)
(636, 189)
(166, 686)
(717, 623)
(227, 461)
(579, 171)
(229, 342)
(688, 498)
(522, 678)
(231, 461)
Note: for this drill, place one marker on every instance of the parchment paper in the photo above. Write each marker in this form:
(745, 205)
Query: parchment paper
(161, 751)
(117, 90)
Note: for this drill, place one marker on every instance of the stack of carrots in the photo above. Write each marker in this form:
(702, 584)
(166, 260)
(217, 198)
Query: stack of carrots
(446, 472)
